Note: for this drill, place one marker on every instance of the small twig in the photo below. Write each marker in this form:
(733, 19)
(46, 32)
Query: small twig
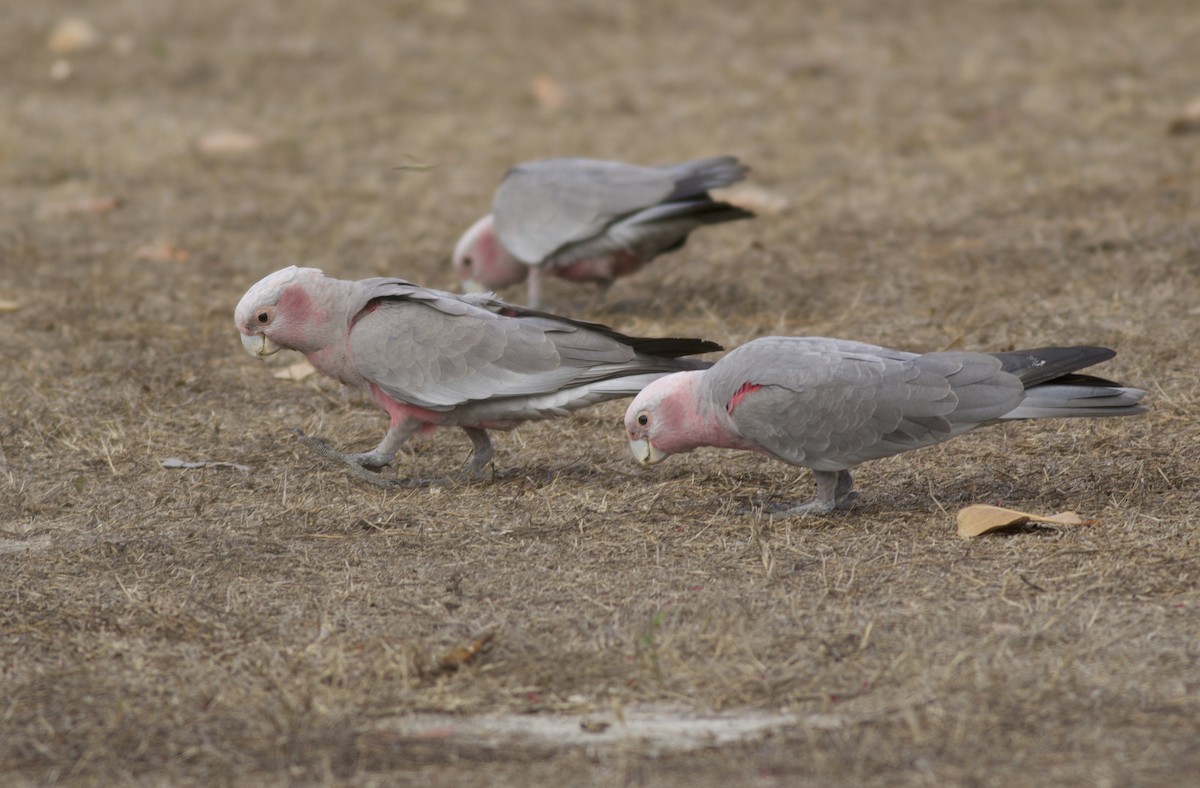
(1030, 583)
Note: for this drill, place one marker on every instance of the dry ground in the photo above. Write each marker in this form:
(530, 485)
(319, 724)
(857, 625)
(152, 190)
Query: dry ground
(982, 175)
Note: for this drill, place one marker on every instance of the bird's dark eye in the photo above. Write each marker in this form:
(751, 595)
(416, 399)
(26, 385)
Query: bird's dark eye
(643, 419)
(466, 262)
(264, 317)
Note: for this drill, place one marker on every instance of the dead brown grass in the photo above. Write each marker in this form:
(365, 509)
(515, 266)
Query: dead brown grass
(981, 175)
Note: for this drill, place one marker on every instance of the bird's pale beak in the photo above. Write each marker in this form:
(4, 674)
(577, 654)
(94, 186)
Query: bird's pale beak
(645, 453)
(259, 346)
(471, 286)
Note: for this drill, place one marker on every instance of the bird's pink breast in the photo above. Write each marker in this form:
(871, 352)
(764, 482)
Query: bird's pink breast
(402, 411)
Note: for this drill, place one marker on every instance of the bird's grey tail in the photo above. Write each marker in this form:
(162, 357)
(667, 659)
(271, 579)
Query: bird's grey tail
(1056, 401)
(1054, 389)
(697, 177)
(673, 347)
(1044, 364)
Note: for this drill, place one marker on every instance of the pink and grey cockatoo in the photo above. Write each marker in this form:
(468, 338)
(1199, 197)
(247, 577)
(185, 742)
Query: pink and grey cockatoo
(590, 220)
(430, 358)
(830, 404)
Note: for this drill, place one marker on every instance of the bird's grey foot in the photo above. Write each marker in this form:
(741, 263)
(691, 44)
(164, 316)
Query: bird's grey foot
(359, 464)
(833, 492)
(481, 454)
(372, 460)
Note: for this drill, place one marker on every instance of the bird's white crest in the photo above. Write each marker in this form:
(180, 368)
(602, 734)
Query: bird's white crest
(266, 290)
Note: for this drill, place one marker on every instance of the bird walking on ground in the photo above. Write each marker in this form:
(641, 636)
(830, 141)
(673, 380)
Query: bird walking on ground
(430, 358)
(590, 220)
(830, 404)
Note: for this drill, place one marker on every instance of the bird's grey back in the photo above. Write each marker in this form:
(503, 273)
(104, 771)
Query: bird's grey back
(544, 205)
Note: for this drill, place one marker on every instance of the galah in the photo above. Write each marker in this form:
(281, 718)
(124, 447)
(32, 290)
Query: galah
(430, 358)
(830, 404)
(590, 220)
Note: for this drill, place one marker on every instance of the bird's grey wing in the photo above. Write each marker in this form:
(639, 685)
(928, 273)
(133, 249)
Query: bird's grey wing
(439, 351)
(544, 205)
(830, 404)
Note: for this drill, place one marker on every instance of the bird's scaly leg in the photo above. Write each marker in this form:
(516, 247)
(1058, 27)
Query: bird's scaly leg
(533, 296)
(481, 454)
(833, 492)
(380, 457)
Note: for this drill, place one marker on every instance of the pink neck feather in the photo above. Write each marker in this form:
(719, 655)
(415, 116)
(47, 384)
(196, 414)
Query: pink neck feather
(688, 419)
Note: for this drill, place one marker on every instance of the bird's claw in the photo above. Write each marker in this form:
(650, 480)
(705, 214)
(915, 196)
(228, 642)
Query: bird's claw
(359, 464)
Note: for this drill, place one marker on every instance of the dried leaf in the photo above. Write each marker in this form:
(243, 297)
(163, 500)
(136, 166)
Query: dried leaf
(298, 371)
(752, 198)
(451, 9)
(93, 205)
(172, 463)
(161, 252)
(228, 143)
(72, 35)
(455, 658)
(984, 518)
(61, 70)
(547, 93)
(9, 306)
(1187, 121)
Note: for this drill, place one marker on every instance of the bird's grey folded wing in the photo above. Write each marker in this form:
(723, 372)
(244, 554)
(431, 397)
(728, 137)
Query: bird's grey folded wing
(983, 390)
(438, 351)
(541, 206)
(835, 403)
(663, 347)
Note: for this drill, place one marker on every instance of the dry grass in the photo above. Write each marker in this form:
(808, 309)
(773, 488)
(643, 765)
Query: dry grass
(981, 175)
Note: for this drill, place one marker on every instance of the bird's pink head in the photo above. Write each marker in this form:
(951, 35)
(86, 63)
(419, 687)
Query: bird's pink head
(284, 310)
(664, 419)
(481, 263)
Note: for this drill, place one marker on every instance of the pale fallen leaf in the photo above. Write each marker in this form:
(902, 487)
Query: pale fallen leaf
(752, 198)
(548, 93)
(451, 9)
(228, 143)
(60, 70)
(94, 205)
(983, 518)
(1187, 121)
(161, 252)
(72, 35)
(173, 463)
(123, 44)
(298, 371)
(9, 306)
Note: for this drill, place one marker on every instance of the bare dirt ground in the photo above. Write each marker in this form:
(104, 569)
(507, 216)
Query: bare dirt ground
(983, 175)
